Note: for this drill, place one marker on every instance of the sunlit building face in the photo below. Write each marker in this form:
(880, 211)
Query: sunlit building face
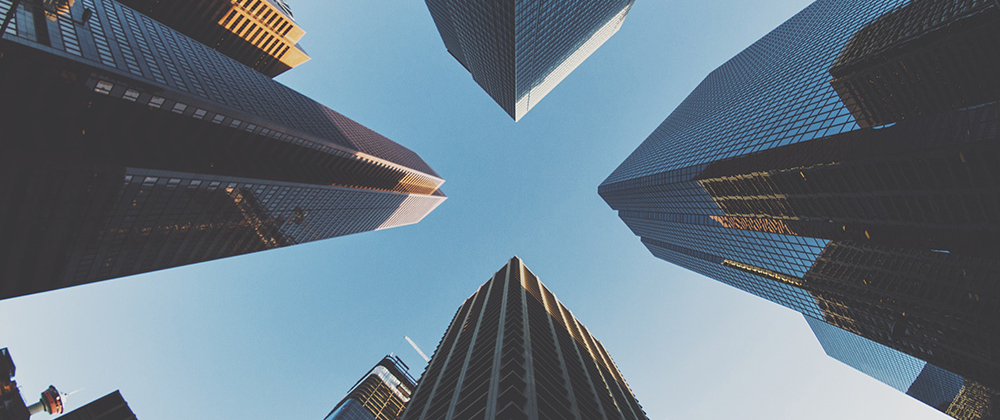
(261, 34)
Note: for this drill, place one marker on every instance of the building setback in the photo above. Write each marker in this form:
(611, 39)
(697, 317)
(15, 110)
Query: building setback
(130, 147)
(513, 351)
(844, 166)
(518, 51)
(382, 394)
(261, 34)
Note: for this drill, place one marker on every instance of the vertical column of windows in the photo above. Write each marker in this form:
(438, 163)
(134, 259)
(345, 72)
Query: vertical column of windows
(555, 398)
(4, 8)
(168, 60)
(113, 12)
(583, 386)
(100, 38)
(202, 79)
(432, 375)
(70, 41)
(140, 40)
(471, 400)
(510, 399)
(444, 408)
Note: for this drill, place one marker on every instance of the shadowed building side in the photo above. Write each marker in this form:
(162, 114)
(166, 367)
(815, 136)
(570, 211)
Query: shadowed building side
(122, 159)
(926, 57)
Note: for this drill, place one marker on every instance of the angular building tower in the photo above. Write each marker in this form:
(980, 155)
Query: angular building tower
(129, 147)
(946, 391)
(517, 51)
(382, 394)
(261, 34)
(844, 166)
(513, 351)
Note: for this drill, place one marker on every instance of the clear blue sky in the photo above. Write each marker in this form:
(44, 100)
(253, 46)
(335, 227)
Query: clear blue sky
(283, 334)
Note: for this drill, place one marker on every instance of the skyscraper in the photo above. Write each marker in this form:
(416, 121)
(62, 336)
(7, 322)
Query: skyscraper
(517, 51)
(128, 147)
(844, 166)
(513, 351)
(261, 34)
(382, 394)
(946, 391)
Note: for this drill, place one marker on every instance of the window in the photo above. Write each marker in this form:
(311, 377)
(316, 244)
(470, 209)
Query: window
(235, 123)
(218, 118)
(179, 108)
(156, 102)
(131, 95)
(103, 87)
(199, 113)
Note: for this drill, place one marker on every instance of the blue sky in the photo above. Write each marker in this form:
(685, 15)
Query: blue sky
(283, 334)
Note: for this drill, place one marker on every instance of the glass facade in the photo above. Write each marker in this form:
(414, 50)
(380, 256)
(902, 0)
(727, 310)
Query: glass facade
(513, 351)
(939, 388)
(519, 51)
(843, 166)
(260, 34)
(166, 152)
(382, 394)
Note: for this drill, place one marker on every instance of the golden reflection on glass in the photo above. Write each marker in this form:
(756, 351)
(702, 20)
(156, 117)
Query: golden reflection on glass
(763, 272)
(266, 28)
(54, 8)
(749, 223)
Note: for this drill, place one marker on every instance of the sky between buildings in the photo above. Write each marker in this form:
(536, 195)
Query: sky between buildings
(283, 334)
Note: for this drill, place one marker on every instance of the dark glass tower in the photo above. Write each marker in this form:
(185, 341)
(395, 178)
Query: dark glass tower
(382, 394)
(513, 351)
(129, 147)
(260, 34)
(518, 51)
(844, 166)
(946, 391)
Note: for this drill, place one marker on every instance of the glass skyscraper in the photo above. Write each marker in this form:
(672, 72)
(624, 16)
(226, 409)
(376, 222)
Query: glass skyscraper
(129, 147)
(382, 394)
(518, 51)
(844, 166)
(946, 391)
(513, 352)
(261, 34)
